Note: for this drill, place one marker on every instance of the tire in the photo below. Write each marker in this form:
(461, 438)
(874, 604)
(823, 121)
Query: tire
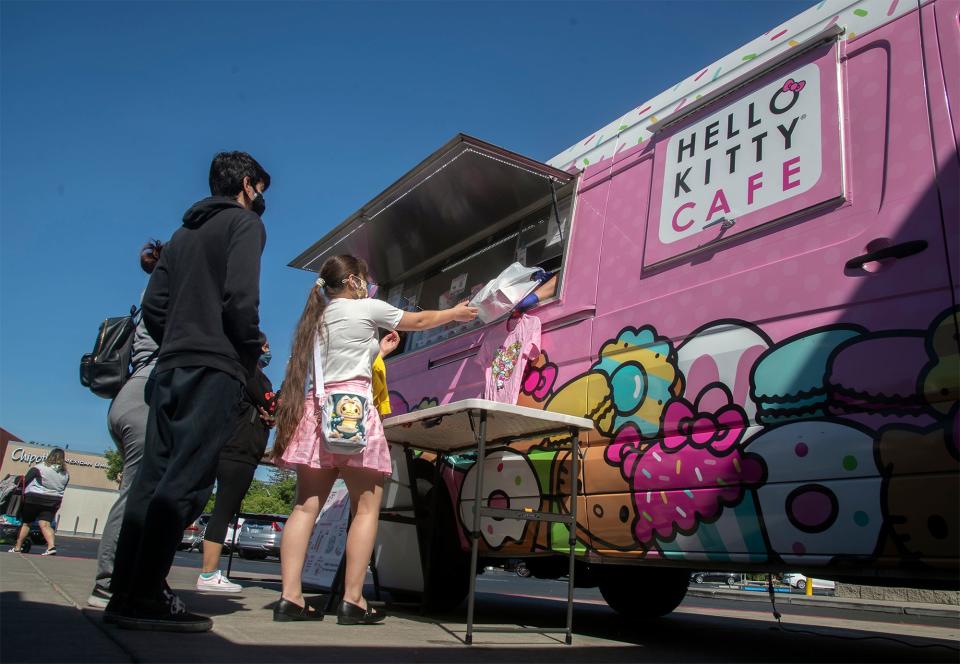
(449, 576)
(801, 584)
(643, 592)
(731, 580)
(523, 571)
(698, 578)
(25, 547)
(247, 554)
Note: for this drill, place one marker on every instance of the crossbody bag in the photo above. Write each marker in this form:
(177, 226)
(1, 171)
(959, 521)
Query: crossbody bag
(342, 414)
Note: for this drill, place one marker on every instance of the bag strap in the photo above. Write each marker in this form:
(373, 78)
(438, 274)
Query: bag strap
(317, 368)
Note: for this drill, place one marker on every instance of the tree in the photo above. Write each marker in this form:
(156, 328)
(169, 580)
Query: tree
(114, 469)
(275, 496)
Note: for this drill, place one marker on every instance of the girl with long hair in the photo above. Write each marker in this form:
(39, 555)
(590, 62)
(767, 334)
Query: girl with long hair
(341, 321)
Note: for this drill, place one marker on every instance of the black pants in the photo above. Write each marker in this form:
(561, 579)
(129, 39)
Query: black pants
(192, 413)
(233, 480)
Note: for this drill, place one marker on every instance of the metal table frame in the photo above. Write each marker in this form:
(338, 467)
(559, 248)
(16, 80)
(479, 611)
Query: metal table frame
(400, 430)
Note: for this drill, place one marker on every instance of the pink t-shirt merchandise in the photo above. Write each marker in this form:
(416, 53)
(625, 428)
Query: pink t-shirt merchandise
(504, 357)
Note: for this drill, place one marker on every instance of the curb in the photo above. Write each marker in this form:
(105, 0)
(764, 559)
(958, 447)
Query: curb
(927, 610)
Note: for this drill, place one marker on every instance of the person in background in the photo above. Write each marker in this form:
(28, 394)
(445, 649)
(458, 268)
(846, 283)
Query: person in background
(43, 493)
(341, 317)
(235, 471)
(381, 395)
(202, 306)
(127, 424)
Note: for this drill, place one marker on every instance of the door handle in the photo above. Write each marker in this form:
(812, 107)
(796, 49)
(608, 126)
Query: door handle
(901, 250)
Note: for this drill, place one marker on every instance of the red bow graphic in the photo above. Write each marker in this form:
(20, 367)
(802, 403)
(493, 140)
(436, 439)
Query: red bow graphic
(539, 380)
(720, 430)
(793, 86)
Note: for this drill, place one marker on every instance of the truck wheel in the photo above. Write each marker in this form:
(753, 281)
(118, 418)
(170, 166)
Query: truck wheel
(523, 571)
(449, 573)
(698, 578)
(643, 592)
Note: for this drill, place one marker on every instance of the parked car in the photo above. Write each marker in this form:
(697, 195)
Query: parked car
(193, 534)
(730, 578)
(260, 536)
(799, 581)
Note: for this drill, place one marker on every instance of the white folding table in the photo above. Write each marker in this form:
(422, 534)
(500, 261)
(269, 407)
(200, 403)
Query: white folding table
(480, 424)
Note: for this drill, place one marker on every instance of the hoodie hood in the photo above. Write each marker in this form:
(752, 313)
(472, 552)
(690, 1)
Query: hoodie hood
(201, 211)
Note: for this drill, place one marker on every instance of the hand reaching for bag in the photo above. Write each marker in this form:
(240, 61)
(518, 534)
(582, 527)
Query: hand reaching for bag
(464, 313)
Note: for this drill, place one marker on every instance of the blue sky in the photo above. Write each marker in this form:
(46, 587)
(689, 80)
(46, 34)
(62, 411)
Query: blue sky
(110, 113)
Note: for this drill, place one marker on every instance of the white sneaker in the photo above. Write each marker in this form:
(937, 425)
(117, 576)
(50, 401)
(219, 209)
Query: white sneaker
(217, 583)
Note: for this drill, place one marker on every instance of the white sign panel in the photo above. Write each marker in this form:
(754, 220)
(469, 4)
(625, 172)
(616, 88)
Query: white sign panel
(329, 538)
(752, 154)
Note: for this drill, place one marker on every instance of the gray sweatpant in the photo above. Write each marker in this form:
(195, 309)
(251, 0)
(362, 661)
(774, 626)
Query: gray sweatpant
(127, 423)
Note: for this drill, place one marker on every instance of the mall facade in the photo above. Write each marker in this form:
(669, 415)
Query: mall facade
(88, 497)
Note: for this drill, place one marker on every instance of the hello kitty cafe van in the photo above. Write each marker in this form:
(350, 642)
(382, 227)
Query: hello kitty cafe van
(756, 306)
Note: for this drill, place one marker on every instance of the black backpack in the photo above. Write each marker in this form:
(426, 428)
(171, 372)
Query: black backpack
(107, 368)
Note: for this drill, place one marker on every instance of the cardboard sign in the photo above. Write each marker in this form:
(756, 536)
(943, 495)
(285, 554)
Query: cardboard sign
(329, 539)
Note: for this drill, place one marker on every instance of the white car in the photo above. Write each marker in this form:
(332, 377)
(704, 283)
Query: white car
(799, 581)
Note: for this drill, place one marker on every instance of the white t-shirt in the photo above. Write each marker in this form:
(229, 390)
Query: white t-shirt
(350, 341)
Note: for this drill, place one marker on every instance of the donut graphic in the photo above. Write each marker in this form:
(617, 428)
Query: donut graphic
(509, 482)
(821, 495)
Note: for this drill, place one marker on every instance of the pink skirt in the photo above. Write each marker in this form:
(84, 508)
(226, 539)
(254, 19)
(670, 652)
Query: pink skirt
(306, 446)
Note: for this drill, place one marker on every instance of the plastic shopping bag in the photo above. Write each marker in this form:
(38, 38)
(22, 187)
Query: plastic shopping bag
(501, 294)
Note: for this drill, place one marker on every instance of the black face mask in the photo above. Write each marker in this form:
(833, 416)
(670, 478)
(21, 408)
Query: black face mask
(258, 204)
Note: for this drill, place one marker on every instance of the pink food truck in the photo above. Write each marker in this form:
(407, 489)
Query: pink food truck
(755, 303)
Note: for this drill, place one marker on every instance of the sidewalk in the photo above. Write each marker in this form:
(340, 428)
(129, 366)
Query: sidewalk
(45, 618)
(825, 601)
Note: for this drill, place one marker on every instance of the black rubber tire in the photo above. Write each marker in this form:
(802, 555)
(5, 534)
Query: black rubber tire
(450, 571)
(246, 554)
(25, 547)
(731, 580)
(698, 578)
(523, 571)
(643, 592)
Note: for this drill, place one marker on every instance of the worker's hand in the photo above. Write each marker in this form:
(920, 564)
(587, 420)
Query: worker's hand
(389, 343)
(266, 417)
(464, 313)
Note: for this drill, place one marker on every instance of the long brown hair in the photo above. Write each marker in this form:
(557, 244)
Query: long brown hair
(334, 272)
(56, 459)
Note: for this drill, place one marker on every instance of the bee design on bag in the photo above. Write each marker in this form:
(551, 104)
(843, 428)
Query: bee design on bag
(348, 417)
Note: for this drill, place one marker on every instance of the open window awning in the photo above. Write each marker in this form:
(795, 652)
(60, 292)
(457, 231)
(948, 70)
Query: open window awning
(465, 191)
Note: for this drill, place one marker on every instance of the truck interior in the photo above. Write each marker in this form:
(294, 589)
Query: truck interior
(451, 224)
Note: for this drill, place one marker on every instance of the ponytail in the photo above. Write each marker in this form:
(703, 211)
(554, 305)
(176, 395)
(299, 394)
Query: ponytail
(290, 408)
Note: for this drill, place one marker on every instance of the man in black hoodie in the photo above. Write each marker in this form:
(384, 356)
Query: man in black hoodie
(202, 307)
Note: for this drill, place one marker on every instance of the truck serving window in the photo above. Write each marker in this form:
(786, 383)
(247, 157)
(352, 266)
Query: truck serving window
(451, 224)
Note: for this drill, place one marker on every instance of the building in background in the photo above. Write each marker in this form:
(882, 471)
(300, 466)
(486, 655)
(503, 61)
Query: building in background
(89, 496)
(5, 438)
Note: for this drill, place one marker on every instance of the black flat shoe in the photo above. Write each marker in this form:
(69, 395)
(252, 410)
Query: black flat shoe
(351, 614)
(287, 611)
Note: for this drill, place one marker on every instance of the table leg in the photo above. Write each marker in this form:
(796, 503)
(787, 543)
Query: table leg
(475, 527)
(574, 475)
